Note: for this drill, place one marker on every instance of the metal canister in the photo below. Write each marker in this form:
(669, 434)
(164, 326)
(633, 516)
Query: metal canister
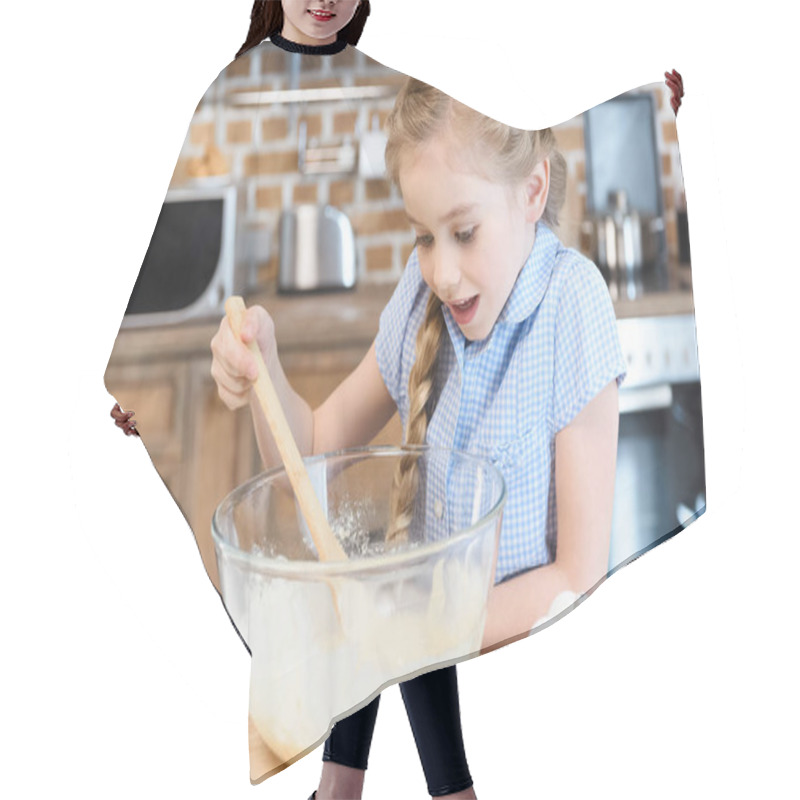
(627, 249)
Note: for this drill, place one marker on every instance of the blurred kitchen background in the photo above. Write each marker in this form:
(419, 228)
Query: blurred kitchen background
(279, 195)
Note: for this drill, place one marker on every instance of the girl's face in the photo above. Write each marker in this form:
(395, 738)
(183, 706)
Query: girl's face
(473, 234)
(315, 22)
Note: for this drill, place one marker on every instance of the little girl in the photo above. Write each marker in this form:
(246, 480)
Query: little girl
(498, 340)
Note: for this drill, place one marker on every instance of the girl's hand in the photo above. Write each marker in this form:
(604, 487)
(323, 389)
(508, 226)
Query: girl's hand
(233, 366)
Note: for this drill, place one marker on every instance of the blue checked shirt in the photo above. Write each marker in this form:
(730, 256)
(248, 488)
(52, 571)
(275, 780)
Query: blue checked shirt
(553, 348)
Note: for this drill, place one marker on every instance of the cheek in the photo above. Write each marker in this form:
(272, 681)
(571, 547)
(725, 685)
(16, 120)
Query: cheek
(293, 12)
(480, 265)
(492, 268)
(425, 266)
(347, 10)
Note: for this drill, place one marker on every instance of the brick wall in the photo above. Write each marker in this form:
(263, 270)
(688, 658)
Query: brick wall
(260, 147)
(257, 146)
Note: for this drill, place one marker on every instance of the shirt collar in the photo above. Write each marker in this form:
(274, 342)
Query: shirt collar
(310, 49)
(533, 278)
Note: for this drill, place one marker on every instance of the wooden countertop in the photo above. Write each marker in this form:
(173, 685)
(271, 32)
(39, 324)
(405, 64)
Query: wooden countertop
(658, 304)
(326, 320)
(332, 320)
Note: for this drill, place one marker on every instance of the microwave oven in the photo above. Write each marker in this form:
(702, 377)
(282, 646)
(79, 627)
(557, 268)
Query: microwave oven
(189, 268)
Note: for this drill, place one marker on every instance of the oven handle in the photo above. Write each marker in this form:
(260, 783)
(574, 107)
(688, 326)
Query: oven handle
(645, 398)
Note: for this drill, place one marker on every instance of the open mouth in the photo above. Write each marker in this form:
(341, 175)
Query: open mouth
(464, 310)
(322, 16)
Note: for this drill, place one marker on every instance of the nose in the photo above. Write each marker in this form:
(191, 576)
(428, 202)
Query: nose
(446, 273)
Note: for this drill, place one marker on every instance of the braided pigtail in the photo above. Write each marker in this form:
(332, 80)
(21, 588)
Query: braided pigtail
(420, 406)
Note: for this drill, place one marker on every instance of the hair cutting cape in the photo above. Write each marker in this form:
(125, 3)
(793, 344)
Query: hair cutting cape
(282, 136)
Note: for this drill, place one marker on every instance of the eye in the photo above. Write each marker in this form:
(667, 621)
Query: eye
(424, 240)
(464, 237)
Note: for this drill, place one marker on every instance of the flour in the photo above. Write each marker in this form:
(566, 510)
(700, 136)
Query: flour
(308, 667)
(350, 528)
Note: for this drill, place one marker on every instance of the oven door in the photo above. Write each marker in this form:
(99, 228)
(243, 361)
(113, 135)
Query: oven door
(660, 480)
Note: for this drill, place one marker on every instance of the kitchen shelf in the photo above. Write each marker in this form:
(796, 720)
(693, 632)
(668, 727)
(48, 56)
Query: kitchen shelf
(323, 94)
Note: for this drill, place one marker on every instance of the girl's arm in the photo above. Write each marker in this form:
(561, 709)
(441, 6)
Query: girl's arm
(585, 467)
(354, 413)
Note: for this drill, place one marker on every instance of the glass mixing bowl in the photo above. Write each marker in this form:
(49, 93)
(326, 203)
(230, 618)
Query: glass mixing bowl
(326, 636)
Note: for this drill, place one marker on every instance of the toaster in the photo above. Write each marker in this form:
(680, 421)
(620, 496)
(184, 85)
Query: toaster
(317, 250)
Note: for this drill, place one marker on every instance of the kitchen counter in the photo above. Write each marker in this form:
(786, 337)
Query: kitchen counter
(329, 320)
(334, 320)
(657, 304)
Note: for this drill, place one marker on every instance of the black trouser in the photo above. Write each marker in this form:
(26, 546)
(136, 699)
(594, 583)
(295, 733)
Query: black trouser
(431, 702)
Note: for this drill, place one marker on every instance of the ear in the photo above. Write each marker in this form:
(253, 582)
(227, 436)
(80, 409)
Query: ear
(536, 188)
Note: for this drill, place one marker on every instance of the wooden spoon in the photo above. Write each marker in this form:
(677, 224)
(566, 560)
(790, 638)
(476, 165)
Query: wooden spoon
(326, 543)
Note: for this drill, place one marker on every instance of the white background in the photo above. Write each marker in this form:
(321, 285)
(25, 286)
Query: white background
(121, 675)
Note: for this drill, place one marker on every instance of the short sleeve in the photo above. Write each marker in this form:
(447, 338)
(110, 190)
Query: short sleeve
(393, 330)
(587, 351)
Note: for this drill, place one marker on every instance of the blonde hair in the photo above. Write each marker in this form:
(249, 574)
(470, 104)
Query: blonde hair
(420, 406)
(420, 112)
